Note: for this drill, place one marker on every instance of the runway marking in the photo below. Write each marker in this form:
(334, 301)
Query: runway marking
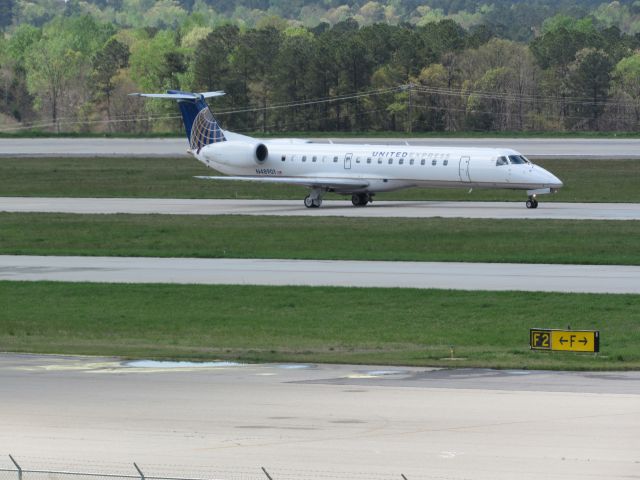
(146, 366)
(88, 366)
(178, 365)
(153, 366)
(449, 454)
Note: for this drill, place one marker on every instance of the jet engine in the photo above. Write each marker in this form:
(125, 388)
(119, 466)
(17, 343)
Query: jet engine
(237, 153)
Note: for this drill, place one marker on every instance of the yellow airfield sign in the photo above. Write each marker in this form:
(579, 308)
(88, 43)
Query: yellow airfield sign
(564, 340)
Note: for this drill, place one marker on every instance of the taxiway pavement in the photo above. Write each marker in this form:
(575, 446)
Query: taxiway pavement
(441, 275)
(318, 421)
(605, 148)
(330, 208)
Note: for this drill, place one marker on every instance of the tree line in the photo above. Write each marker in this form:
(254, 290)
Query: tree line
(515, 19)
(75, 71)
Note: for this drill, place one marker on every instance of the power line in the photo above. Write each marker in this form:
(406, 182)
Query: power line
(413, 103)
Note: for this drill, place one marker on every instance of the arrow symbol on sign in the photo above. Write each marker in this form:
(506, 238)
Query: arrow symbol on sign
(583, 341)
(563, 341)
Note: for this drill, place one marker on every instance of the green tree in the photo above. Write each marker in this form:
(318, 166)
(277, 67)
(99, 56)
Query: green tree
(19, 102)
(389, 110)
(36, 13)
(257, 49)
(148, 60)
(355, 67)
(437, 109)
(6, 13)
(324, 77)
(591, 76)
(212, 59)
(626, 85)
(165, 14)
(291, 70)
(504, 73)
(113, 56)
(51, 67)
(442, 37)
(372, 12)
(618, 44)
(556, 50)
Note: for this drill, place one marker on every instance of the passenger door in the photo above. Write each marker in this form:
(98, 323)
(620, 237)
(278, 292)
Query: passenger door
(464, 169)
(347, 161)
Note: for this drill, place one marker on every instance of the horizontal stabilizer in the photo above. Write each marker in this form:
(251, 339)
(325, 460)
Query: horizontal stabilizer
(200, 126)
(312, 182)
(180, 96)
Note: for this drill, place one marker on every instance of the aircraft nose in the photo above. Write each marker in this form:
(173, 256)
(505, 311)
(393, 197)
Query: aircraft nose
(554, 181)
(550, 179)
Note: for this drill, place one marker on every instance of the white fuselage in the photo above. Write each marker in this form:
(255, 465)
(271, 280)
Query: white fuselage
(384, 167)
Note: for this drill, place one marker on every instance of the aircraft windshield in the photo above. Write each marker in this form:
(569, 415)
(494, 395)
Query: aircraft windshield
(518, 159)
(502, 161)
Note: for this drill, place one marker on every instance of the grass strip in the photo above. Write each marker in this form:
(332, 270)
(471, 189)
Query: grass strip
(322, 238)
(375, 326)
(585, 181)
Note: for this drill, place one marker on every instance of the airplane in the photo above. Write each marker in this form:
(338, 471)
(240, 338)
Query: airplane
(350, 169)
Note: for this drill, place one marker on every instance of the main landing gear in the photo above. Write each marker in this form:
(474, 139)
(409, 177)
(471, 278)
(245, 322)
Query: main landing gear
(314, 199)
(360, 199)
(532, 202)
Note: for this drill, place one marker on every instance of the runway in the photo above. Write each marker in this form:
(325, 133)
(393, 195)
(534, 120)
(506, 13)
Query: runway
(601, 148)
(302, 421)
(441, 275)
(330, 208)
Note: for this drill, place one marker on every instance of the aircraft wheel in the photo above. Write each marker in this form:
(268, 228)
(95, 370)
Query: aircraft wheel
(308, 202)
(532, 203)
(359, 200)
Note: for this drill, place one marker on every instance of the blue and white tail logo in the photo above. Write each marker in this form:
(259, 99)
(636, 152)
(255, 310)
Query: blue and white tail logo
(200, 125)
(204, 130)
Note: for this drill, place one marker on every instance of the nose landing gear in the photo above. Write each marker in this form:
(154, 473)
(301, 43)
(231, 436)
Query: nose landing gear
(314, 199)
(310, 202)
(532, 202)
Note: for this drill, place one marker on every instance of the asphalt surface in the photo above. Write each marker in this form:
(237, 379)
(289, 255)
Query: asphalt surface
(318, 421)
(171, 147)
(449, 275)
(331, 208)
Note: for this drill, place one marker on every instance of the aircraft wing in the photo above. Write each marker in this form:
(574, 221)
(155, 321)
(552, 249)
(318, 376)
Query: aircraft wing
(312, 182)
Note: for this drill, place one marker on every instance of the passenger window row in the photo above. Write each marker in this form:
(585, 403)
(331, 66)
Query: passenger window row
(412, 159)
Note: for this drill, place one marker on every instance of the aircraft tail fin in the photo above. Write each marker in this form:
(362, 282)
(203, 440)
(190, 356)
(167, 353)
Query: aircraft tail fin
(200, 125)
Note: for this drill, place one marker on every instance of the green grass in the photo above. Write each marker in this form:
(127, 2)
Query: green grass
(382, 326)
(379, 326)
(434, 239)
(585, 181)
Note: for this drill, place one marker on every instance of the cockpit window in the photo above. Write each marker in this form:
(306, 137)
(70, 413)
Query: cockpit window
(502, 161)
(518, 159)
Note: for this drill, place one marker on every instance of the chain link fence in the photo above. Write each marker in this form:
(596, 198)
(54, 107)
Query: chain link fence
(259, 473)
